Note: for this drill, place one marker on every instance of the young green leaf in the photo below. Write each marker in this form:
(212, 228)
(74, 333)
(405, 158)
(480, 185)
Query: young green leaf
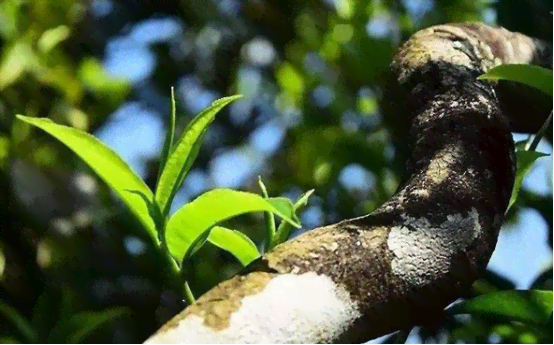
(169, 136)
(236, 243)
(268, 216)
(284, 229)
(535, 76)
(525, 160)
(184, 153)
(193, 220)
(19, 323)
(108, 165)
(531, 306)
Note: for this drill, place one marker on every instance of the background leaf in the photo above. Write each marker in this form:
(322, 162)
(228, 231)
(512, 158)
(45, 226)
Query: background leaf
(515, 332)
(535, 76)
(4, 150)
(43, 318)
(196, 217)
(14, 62)
(525, 160)
(184, 153)
(533, 306)
(236, 243)
(51, 37)
(283, 231)
(18, 322)
(108, 165)
(79, 326)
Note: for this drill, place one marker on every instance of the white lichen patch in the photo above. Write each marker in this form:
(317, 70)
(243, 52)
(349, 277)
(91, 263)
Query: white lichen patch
(424, 193)
(307, 308)
(439, 167)
(423, 250)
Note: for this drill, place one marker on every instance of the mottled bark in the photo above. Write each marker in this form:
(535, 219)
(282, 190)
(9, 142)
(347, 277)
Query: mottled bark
(366, 277)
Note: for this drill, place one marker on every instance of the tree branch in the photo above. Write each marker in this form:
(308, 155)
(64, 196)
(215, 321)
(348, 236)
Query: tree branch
(366, 277)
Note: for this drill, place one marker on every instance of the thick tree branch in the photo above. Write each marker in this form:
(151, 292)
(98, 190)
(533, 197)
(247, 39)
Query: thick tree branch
(365, 277)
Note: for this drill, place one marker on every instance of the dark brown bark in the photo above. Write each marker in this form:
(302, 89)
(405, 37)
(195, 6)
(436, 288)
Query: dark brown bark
(403, 263)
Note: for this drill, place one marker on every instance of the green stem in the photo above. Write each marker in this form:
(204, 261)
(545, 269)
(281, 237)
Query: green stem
(189, 297)
(176, 273)
(175, 269)
(532, 146)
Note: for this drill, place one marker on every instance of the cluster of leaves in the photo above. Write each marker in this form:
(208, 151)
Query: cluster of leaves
(180, 235)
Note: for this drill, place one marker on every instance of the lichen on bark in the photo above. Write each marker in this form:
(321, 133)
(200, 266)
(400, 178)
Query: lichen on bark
(422, 249)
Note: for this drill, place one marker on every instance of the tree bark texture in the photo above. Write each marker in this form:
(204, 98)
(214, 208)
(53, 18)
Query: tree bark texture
(415, 254)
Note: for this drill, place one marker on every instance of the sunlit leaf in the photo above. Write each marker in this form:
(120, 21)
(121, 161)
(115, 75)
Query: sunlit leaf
(15, 60)
(236, 243)
(283, 231)
(168, 143)
(51, 37)
(522, 333)
(533, 306)
(10, 18)
(184, 153)
(18, 322)
(194, 219)
(108, 165)
(291, 80)
(93, 75)
(525, 160)
(535, 76)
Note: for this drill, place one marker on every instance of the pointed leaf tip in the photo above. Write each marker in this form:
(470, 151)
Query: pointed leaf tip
(184, 152)
(107, 164)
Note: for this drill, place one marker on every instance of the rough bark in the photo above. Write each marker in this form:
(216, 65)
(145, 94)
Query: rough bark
(366, 277)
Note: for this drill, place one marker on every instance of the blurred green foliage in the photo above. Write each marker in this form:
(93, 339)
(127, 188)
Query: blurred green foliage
(314, 71)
